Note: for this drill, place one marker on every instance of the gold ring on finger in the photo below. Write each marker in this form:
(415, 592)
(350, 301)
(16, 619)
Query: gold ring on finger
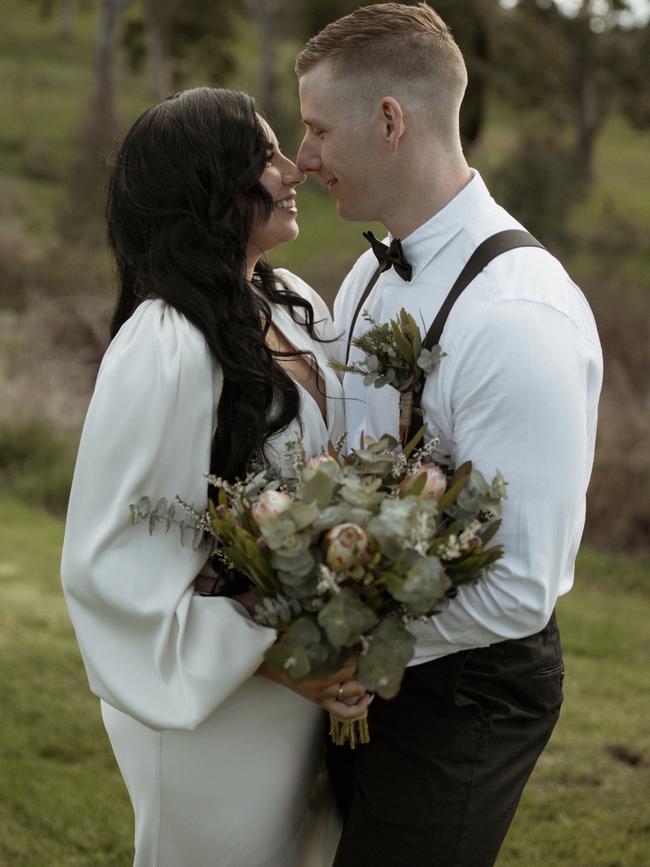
(339, 693)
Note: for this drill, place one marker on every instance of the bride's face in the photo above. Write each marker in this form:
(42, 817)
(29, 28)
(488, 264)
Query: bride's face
(280, 177)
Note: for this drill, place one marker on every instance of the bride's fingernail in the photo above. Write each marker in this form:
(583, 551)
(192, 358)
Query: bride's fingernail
(372, 698)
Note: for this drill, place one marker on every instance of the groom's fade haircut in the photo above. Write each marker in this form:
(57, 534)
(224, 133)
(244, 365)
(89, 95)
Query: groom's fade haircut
(401, 50)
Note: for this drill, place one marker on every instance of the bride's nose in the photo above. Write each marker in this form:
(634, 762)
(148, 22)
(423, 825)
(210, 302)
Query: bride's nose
(293, 175)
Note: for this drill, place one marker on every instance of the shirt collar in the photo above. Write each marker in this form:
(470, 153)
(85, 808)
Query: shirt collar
(427, 240)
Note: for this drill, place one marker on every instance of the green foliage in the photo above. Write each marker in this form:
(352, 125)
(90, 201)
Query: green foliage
(541, 182)
(393, 354)
(575, 68)
(391, 647)
(345, 618)
(346, 541)
(36, 463)
(196, 34)
(423, 586)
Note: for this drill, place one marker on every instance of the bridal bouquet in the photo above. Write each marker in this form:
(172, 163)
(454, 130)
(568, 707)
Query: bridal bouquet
(348, 552)
(353, 547)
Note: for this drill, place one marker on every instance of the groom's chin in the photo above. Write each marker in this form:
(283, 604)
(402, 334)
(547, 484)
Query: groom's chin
(346, 213)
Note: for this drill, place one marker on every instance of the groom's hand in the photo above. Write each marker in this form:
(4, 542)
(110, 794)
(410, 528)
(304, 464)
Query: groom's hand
(345, 698)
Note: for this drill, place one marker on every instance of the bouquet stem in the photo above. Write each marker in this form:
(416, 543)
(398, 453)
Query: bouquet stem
(405, 415)
(350, 733)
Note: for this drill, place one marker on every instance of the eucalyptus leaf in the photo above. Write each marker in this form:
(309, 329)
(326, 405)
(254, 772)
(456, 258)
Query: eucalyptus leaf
(305, 631)
(423, 587)
(390, 649)
(276, 530)
(427, 361)
(293, 570)
(331, 516)
(319, 490)
(345, 618)
(303, 591)
(289, 657)
(303, 514)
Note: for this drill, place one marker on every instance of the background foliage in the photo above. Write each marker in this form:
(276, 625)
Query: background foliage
(556, 119)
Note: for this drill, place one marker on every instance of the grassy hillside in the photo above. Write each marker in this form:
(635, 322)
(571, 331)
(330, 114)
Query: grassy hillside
(45, 87)
(63, 804)
(55, 286)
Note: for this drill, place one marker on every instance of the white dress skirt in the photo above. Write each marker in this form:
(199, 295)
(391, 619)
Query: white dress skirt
(223, 768)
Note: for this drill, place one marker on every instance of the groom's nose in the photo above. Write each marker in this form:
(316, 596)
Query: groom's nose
(308, 159)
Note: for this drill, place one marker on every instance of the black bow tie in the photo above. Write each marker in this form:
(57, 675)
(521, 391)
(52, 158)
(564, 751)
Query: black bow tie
(392, 256)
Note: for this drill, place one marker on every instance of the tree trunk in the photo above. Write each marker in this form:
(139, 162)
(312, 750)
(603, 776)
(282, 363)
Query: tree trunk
(265, 13)
(587, 120)
(67, 20)
(157, 31)
(587, 125)
(103, 119)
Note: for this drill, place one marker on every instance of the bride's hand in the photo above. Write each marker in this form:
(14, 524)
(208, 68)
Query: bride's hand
(346, 699)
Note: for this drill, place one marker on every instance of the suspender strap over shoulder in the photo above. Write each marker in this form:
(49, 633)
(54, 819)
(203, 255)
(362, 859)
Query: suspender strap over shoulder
(494, 246)
(358, 308)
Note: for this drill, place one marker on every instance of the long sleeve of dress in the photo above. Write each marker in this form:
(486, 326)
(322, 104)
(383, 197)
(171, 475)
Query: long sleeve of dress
(150, 646)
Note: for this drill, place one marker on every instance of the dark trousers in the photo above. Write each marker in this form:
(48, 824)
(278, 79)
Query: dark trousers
(448, 758)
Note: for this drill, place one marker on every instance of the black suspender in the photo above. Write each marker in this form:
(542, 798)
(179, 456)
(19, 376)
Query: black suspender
(495, 245)
(364, 295)
(488, 250)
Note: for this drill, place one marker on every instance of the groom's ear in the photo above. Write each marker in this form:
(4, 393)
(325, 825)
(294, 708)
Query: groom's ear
(393, 125)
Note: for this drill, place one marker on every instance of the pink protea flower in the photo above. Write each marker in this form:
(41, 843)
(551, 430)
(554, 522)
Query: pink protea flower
(347, 545)
(319, 460)
(269, 505)
(435, 485)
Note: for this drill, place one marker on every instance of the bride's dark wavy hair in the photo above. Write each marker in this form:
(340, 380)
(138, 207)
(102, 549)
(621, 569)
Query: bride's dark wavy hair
(183, 198)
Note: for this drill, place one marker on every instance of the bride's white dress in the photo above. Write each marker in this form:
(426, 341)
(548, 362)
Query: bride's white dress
(220, 765)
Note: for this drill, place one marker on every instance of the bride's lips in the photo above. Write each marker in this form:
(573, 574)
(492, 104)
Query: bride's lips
(288, 204)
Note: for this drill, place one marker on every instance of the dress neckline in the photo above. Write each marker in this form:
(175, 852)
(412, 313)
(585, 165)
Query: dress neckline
(320, 376)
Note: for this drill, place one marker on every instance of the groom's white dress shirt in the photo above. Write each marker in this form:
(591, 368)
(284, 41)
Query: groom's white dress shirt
(517, 391)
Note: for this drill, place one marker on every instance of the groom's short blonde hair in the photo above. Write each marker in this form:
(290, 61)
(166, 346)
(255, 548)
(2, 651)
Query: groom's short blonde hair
(394, 47)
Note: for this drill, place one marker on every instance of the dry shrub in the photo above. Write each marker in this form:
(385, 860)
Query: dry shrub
(618, 513)
(49, 357)
(38, 161)
(14, 266)
(16, 247)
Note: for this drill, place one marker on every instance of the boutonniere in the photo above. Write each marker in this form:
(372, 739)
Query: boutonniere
(394, 356)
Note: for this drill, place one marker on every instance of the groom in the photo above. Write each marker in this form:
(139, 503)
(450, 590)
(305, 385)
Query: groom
(517, 390)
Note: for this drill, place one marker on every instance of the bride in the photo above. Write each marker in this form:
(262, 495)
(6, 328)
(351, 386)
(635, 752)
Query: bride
(215, 358)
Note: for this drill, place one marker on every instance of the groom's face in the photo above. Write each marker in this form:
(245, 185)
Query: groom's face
(342, 144)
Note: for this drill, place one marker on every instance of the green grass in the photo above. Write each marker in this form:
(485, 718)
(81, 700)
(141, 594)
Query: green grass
(62, 801)
(584, 807)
